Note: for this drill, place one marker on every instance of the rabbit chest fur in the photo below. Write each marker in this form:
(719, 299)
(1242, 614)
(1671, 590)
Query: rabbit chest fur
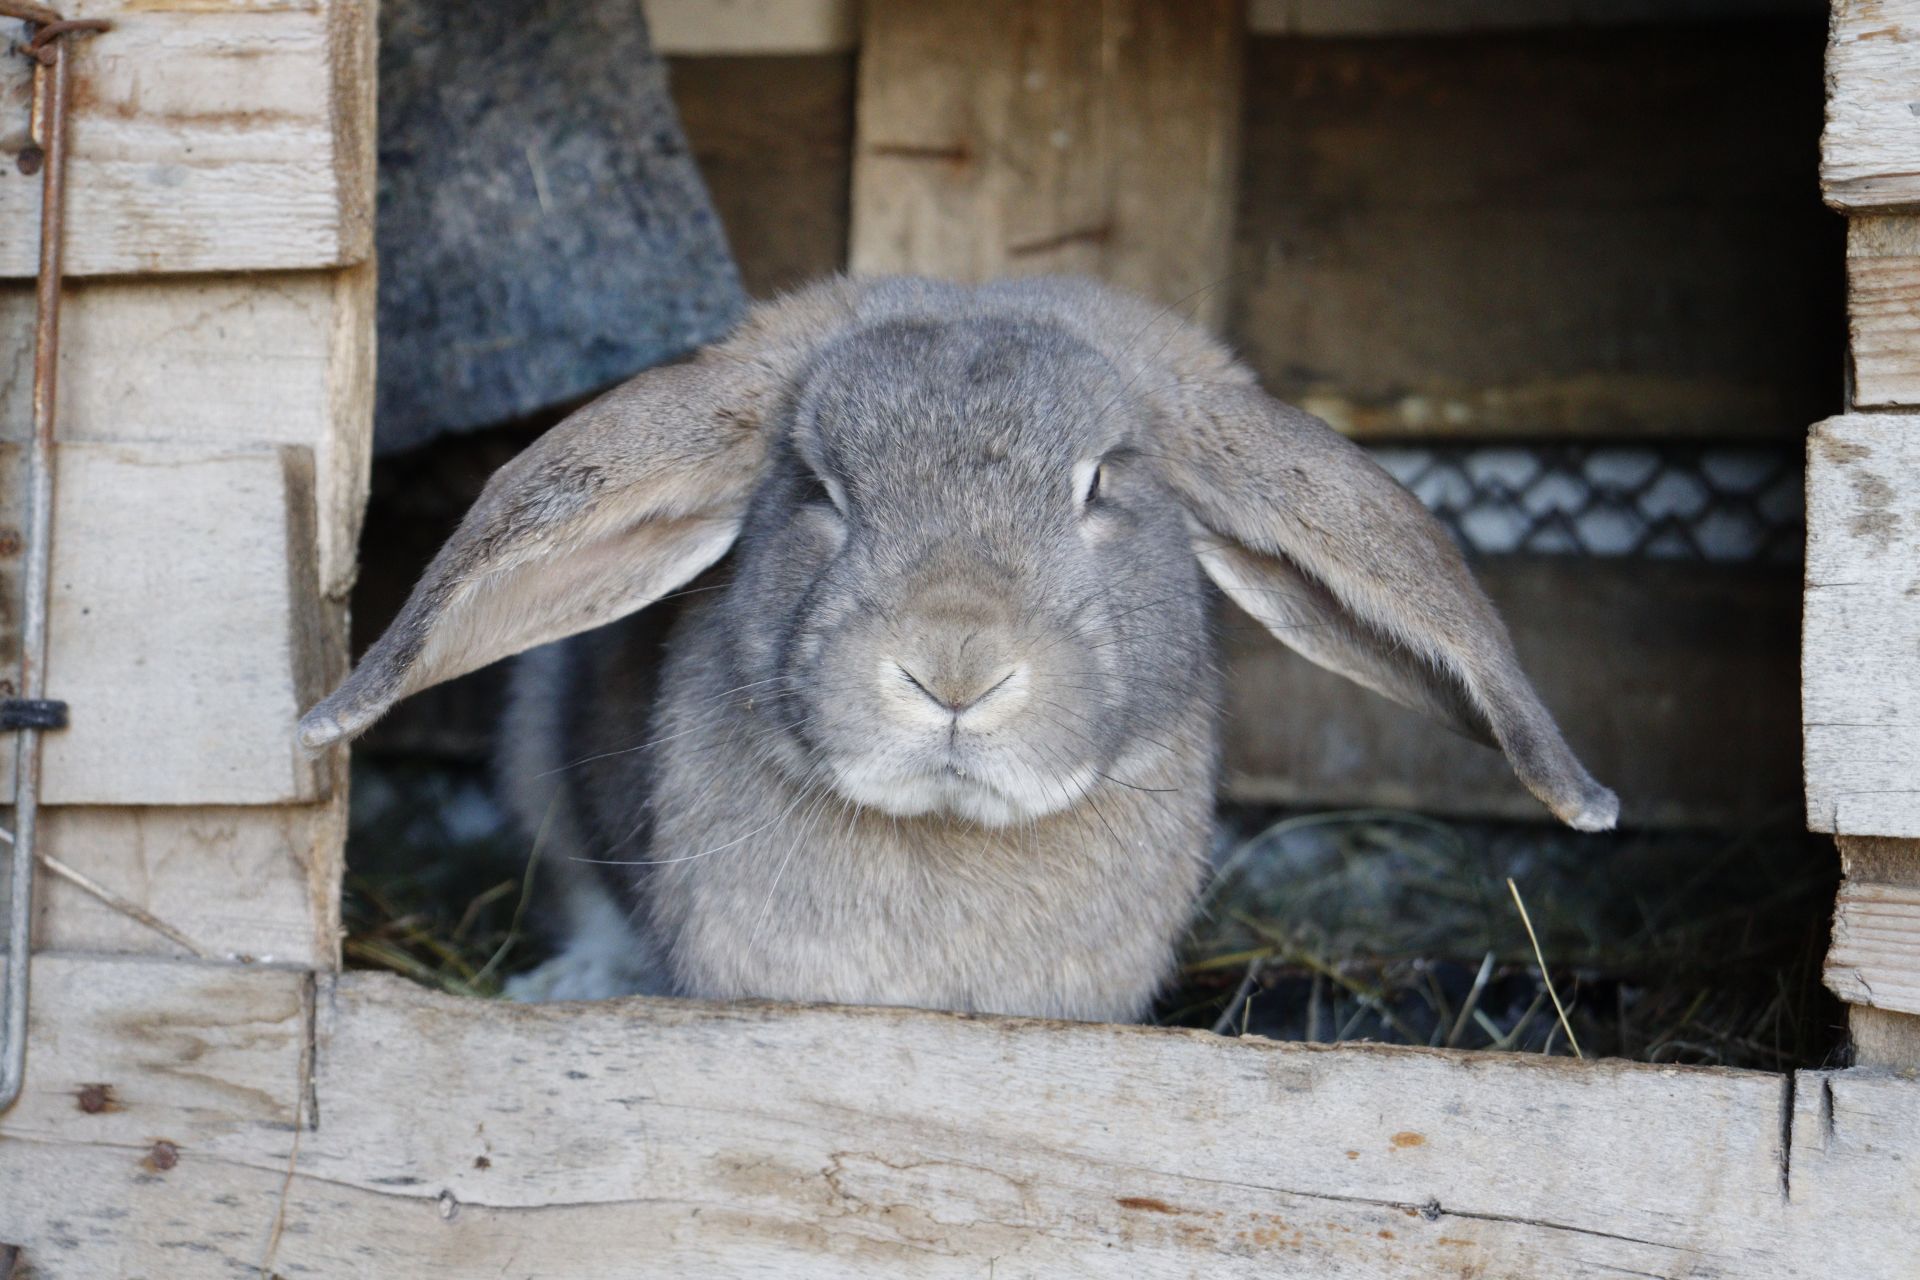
(731, 879)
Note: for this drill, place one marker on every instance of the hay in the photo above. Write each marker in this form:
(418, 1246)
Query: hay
(1695, 947)
(1682, 947)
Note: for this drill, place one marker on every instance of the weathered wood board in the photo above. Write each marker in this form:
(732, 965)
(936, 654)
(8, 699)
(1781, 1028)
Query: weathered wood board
(423, 1136)
(719, 27)
(1860, 691)
(259, 882)
(1875, 961)
(702, 28)
(188, 633)
(1447, 17)
(1675, 682)
(1541, 235)
(220, 360)
(1883, 309)
(1022, 137)
(1870, 152)
(773, 138)
(207, 135)
(1875, 956)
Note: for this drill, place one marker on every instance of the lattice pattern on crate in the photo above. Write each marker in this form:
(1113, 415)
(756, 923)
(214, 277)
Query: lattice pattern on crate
(1693, 503)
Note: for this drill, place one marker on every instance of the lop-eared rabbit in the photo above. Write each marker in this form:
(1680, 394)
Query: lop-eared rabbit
(943, 728)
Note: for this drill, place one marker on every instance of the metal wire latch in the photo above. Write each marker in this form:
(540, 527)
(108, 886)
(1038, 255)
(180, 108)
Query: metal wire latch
(32, 713)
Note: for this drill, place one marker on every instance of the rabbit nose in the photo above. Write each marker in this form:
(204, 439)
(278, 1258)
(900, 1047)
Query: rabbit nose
(959, 689)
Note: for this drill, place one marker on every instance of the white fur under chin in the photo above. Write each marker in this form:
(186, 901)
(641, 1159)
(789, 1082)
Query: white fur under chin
(999, 801)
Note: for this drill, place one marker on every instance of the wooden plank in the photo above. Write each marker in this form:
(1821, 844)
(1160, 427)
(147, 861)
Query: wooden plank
(185, 628)
(1875, 956)
(220, 360)
(1022, 137)
(1854, 1137)
(1446, 17)
(1431, 233)
(1607, 642)
(1883, 309)
(1882, 1035)
(705, 28)
(1861, 697)
(208, 135)
(257, 883)
(202, 1052)
(1870, 152)
(709, 27)
(440, 1137)
(773, 138)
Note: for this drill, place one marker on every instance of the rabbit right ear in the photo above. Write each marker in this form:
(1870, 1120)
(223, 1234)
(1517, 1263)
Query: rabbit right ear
(631, 497)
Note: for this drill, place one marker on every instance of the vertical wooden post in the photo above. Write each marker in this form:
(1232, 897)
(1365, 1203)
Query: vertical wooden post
(1025, 137)
(213, 437)
(1862, 701)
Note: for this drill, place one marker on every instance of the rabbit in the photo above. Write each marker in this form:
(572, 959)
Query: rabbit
(943, 728)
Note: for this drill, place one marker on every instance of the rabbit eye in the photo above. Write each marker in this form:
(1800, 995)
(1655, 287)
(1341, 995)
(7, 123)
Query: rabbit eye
(1087, 478)
(815, 490)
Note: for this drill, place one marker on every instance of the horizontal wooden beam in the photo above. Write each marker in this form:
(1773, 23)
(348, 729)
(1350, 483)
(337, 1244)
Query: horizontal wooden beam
(1861, 684)
(213, 135)
(710, 27)
(185, 631)
(257, 883)
(182, 1111)
(1446, 17)
(1870, 152)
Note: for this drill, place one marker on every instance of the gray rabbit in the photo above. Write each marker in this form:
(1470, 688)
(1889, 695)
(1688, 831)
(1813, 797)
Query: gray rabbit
(943, 731)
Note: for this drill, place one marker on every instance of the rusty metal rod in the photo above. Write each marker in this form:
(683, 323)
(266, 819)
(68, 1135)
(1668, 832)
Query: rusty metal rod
(38, 14)
(51, 75)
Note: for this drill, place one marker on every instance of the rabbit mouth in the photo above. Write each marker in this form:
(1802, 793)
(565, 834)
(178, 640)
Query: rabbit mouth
(993, 796)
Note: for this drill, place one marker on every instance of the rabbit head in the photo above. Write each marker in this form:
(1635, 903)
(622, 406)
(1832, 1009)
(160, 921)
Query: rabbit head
(969, 530)
(960, 584)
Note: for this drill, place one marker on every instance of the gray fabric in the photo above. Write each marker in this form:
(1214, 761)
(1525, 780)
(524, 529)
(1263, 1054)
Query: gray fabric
(542, 232)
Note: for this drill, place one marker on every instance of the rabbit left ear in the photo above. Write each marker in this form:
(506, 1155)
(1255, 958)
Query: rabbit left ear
(1306, 533)
(624, 501)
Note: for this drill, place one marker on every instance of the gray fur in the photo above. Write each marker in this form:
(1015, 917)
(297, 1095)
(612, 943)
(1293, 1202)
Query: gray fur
(939, 732)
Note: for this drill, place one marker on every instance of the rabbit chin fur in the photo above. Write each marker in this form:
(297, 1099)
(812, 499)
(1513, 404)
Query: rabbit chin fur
(934, 720)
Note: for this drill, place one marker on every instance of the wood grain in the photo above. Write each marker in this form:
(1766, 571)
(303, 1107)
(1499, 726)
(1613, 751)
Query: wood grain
(773, 138)
(1861, 686)
(186, 630)
(1542, 235)
(207, 135)
(219, 360)
(1448, 17)
(443, 1138)
(1883, 309)
(259, 882)
(719, 27)
(1870, 152)
(1875, 956)
(1022, 137)
(702, 28)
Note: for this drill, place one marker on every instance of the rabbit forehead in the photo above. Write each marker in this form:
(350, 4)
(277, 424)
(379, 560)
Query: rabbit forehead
(937, 391)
